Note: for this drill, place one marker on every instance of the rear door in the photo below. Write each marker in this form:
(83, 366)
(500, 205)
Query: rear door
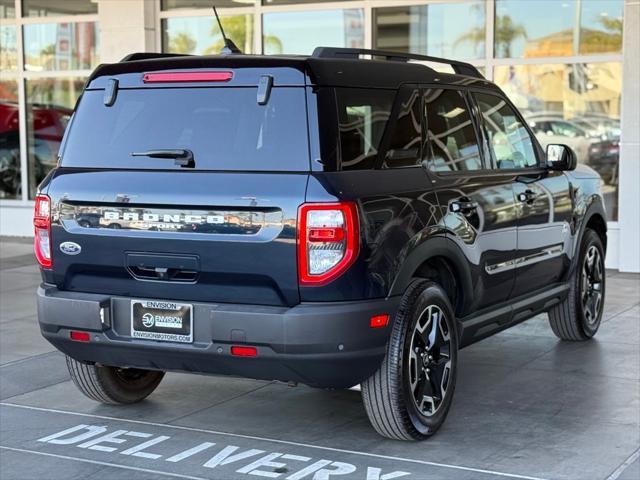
(481, 216)
(220, 229)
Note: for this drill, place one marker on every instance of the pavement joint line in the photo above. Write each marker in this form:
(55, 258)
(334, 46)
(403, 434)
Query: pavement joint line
(605, 320)
(104, 464)
(36, 389)
(626, 464)
(32, 357)
(217, 404)
(283, 442)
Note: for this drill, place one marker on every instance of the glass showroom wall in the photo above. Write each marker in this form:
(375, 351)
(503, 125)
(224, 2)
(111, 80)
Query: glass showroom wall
(563, 71)
(47, 49)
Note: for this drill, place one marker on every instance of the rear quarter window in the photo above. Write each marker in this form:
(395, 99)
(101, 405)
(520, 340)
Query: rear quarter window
(224, 127)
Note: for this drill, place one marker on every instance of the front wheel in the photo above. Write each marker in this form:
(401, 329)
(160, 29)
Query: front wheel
(408, 398)
(578, 317)
(112, 385)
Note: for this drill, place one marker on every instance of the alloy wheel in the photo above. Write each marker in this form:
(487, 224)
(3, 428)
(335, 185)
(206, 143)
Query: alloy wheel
(430, 360)
(592, 285)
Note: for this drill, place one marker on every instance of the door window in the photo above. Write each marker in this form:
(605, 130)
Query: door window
(509, 141)
(450, 132)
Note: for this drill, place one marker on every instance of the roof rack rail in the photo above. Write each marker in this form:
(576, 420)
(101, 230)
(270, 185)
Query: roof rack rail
(461, 68)
(151, 55)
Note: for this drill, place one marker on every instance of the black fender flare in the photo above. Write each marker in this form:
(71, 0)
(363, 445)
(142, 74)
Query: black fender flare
(594, 208)
(439, 246)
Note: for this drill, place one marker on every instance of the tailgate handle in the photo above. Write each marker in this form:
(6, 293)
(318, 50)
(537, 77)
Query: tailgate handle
(164, 268)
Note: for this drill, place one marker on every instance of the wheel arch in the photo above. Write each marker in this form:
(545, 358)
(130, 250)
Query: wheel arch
(441, 261)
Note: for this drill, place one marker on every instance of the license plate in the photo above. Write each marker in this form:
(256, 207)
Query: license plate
(162, 320)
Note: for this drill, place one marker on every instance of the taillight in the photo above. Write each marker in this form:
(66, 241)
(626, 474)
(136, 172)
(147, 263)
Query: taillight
(328, 241)
(42, 226)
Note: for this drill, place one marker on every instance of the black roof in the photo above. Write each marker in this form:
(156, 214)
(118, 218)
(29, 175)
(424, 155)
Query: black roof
(327, 67)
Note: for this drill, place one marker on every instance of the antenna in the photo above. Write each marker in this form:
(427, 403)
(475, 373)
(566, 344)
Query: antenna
(229, 46)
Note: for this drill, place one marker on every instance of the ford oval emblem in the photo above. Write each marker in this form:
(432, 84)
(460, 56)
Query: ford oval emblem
(70, 248)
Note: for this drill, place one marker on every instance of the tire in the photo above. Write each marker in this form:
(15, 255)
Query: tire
(390, 395)
(111, 385)
(578, 317)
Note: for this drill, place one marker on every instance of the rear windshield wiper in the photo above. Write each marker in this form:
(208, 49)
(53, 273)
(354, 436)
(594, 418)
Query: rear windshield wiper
(182, 157)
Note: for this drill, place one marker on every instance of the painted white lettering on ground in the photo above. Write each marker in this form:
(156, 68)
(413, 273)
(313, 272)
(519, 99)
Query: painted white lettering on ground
(269, 465)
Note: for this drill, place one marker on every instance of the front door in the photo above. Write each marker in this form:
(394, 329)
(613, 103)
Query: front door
(542, 197)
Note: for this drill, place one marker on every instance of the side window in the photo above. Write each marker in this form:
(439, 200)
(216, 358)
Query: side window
(362, 118)
(510, 143)
(405, 140)
(450, 133)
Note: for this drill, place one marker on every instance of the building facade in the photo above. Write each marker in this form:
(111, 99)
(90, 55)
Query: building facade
(571, 66)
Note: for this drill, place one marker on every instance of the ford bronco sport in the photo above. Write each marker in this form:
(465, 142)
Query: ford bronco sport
(349, 217)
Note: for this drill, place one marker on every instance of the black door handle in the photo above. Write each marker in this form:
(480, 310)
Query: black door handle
(463, 205)
(528, 196)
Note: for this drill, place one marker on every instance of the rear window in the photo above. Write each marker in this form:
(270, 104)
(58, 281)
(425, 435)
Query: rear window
(224, 127)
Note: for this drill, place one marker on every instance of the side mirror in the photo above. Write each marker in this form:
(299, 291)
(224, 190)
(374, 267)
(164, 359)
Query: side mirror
(561, 157)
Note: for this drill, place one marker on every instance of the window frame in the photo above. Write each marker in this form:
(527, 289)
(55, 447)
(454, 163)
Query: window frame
(537, 149)
(393, 121)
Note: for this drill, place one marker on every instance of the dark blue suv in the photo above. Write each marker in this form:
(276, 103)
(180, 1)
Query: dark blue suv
(332, 220)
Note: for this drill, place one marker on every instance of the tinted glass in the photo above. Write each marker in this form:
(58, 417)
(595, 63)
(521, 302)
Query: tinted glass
(39, 8)
(455, 30)
(301, 32)
(61, 46)
(585, 95)
(405, 142)
(362, 118)
(450, 132)
(8, 48)
(510, 143)
(201, 35)
(9, 141)
(50, 103)
(225, 128)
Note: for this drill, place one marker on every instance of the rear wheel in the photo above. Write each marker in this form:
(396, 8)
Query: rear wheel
(112, 385)
(409, 397)
(578, 317)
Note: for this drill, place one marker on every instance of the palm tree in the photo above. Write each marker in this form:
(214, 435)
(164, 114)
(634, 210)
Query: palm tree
(505, 33)
(182, 43)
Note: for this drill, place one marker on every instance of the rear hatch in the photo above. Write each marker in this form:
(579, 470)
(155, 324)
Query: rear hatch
(183, 187)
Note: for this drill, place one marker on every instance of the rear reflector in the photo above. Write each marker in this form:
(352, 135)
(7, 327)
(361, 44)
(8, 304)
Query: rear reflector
(80, 336)
(379, 321)
(169, 77)
(244, 351)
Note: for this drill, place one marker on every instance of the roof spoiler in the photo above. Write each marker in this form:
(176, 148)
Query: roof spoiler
(461, 68)
(132, 57)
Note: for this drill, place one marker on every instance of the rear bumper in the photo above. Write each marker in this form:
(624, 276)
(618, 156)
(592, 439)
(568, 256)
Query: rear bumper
(320, 344)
